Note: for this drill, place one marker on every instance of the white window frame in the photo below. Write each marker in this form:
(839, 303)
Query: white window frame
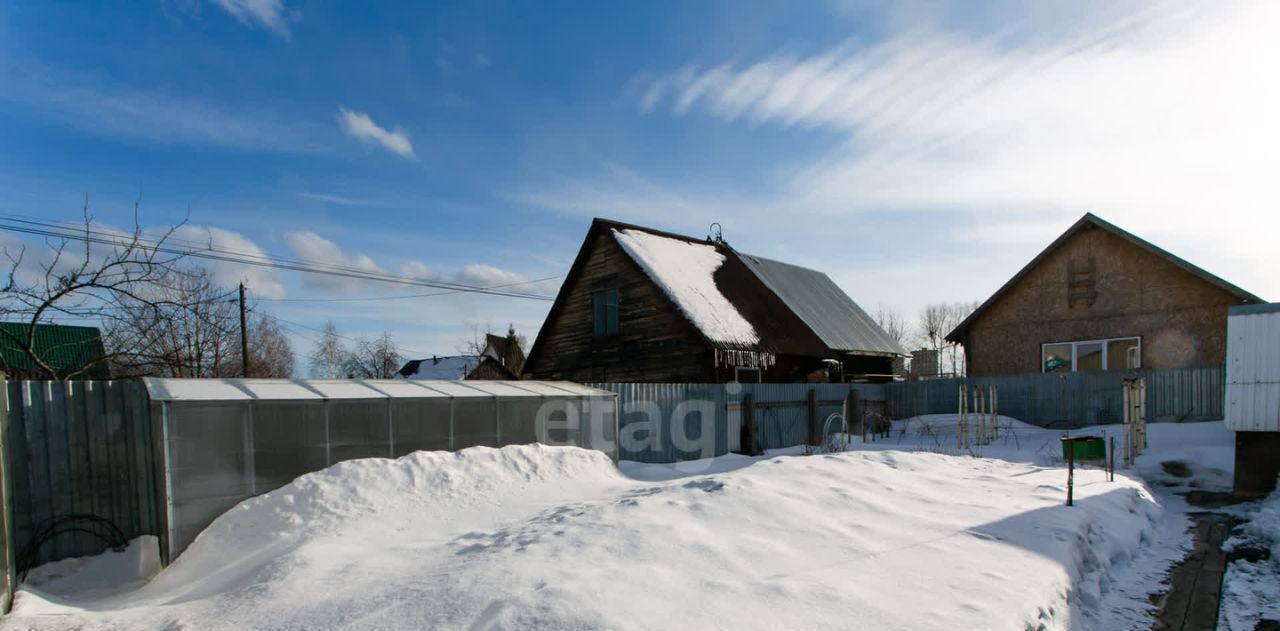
(737, 374)
(1105, 342)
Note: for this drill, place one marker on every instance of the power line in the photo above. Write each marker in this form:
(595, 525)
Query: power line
(378, 298)
(322, 332)
(88, 235)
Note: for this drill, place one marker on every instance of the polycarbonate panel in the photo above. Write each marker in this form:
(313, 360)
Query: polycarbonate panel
(518, 418)
(420, 425)
(500, 389)
(358, 429)
(193, 390)
(455, 389)
(277, 389)
(343, 389)
(288, 441)
(403, 389)
(475, 422)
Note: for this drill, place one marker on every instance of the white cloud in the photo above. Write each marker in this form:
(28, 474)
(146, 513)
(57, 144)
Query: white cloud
(316, 250)
(358, 125)
(1161, 121)
(272, 15)
(262, 281)
(418, 270)
(487, 276)
(111, 109)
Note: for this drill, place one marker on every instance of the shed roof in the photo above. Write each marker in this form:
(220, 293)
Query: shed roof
(166, 389)
(65, 348)
(1090, 220)
(824, 307)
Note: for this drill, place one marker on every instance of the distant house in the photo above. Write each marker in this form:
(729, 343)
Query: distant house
(1100, 298)
(74, 352)
(501, 359)
(454, 368)
(641, 305)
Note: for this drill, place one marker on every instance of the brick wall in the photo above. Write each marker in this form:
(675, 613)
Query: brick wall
(1129, 293)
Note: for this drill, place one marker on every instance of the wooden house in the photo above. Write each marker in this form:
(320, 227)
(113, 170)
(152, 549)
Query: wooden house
(1100, 298)
(642, 305)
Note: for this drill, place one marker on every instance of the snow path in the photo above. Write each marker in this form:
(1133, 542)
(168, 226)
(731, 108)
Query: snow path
(543, 537)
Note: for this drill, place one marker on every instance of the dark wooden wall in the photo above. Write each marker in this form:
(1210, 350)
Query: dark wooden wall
(655, 343)
(1181, 318)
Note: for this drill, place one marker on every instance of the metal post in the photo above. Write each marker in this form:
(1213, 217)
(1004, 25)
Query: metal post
(244, 337)
(813, 417)
(1111, 460)
(749, 424)
(1071, 471)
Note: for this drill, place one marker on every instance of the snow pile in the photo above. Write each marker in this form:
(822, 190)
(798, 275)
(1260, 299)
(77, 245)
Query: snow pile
(1188, 456)
(99, 575)
(686, 272)
(532, 536)
(1251, 586)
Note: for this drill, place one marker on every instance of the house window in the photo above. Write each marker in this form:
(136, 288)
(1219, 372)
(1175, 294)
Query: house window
(604, 310)
(1091, 355)
(746, 375)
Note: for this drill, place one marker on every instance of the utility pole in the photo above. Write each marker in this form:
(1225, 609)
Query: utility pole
(244, 337)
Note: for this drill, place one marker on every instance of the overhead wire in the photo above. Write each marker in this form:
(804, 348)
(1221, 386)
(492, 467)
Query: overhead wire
(208, 251)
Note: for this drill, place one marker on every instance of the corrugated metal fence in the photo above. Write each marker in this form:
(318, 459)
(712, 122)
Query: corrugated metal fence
(1074, 399)
(673, 422)
(75, 448)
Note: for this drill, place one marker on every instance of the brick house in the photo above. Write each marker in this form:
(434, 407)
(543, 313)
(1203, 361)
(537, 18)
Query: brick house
(1100, 298)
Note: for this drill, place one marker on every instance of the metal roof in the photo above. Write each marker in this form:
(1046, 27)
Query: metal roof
(165, 389)
(823, 306)
(65, 348)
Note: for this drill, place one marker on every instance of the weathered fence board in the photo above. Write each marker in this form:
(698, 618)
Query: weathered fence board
(1074, 399)
(674, 422)
(78, 448)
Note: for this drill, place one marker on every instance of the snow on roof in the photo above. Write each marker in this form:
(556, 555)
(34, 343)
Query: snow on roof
(686, 272)
(166, 389)
(443, 368)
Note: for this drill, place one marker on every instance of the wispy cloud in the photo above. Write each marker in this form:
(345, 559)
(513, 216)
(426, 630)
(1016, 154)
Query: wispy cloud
(111, 109)
(358, 125)
(272, 15)
(1155, 119)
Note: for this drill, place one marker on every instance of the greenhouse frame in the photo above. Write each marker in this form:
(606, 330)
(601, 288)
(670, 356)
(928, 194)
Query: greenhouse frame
(221, 441)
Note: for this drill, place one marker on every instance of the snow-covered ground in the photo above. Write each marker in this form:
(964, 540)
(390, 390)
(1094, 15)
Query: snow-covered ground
(891, 534)
(1251, 587)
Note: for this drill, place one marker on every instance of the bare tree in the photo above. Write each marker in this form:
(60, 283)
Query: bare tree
(935, 322)
(893, 323)
(270, 353)
(91, 273)
(329, 357)
(182, 326)
(374, 358)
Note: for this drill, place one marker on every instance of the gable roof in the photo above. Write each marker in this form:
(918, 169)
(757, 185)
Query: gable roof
(65, 348)
(447, 368)
(824, 307)
(1090, 220)
(737, 301)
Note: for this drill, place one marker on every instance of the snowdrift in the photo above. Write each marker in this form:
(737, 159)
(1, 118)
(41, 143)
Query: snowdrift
(541, 537)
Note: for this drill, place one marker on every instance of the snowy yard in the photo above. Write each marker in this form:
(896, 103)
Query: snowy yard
(887, 535)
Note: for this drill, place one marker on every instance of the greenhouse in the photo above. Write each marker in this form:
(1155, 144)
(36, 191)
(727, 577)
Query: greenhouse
(221, 441)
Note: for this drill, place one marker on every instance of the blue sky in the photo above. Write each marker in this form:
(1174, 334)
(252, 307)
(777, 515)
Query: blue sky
(916, 152)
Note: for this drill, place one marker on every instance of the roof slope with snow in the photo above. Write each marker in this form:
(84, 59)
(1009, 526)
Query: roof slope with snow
(685, 271)
(440, 368)
(823, 306)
